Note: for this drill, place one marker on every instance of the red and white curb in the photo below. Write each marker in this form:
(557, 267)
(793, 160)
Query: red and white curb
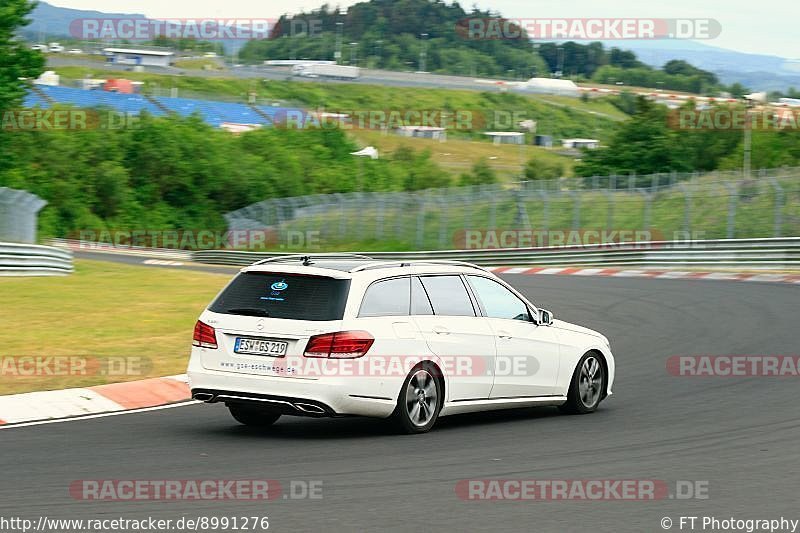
(112, 398)
(652, 274)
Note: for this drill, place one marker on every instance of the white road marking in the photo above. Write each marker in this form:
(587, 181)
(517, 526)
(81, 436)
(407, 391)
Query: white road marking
(99, 415)
(676, 274)
(630, 274)
(588, 272)
(551, 270)
(765, 277)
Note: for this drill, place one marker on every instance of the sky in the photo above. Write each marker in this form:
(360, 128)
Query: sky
(747, 26)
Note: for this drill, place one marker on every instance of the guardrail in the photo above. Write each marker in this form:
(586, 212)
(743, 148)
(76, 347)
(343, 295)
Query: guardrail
(34, 260)
(86, 246)
(756, 254)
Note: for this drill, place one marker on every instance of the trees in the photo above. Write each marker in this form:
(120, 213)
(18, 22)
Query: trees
(540, 169)
(180, 173)
(16, 59)
(644, 144)
(388, 34)
(482, 174)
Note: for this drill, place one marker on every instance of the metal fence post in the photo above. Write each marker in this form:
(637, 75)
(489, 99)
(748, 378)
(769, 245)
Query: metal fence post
(360, 213)
(779, 201)
(400, 211)
(444, 219)
(381, 215)
(469, 200)
(340, 198)
(687, 209)
(492, 211)
(733, 197)
(521, 219)
(421, 222)
(648, 201)
(545, 210)
(576, 209)
(610, 200)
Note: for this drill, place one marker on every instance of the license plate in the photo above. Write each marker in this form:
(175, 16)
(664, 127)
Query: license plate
(260, 347)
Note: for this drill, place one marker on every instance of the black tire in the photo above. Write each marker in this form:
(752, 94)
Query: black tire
(253, 416)
(587, 388)
(419, 402)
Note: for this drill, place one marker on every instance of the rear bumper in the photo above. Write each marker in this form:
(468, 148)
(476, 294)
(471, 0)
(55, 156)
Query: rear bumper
(301, 397)
(283, 404)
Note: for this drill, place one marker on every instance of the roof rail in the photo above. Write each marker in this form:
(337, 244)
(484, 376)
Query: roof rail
(307, 259)
(440, 262)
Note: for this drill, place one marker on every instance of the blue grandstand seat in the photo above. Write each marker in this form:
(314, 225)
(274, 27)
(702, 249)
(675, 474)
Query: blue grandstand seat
(212, 112)
(126, 103)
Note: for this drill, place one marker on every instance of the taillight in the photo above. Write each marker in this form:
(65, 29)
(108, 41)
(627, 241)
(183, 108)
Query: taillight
(204, 336)
(339, 345)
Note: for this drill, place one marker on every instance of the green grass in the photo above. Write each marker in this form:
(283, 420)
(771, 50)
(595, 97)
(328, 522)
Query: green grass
(457, 156)
(104, 310)
(559, 117)
(199, 64)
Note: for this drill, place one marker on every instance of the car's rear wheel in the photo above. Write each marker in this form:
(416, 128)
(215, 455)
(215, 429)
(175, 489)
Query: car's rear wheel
(587, 386)
(420, 401)
(253, 416)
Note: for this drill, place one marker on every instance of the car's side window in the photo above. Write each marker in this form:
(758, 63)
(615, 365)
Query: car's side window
(420, 304)
(448, 295)
(497, 301)
(387, 298)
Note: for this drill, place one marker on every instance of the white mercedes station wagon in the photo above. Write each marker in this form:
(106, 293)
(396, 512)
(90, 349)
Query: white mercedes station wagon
(345, 335)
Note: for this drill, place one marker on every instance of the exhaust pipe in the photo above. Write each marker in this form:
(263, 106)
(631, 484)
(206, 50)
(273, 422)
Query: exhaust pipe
(308, 408)
(203, 396)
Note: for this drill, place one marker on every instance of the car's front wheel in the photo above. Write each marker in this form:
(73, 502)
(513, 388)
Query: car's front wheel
(586, 388)
(420, 401)
(252, 416)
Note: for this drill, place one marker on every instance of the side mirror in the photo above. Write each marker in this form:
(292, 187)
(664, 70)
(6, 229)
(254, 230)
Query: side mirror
(545, 317)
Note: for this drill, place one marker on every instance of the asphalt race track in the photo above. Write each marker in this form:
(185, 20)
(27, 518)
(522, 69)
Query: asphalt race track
(741, 435)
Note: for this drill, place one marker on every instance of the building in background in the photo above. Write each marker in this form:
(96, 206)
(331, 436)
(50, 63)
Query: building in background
(591, 144)
(506, 137)
(140, 57)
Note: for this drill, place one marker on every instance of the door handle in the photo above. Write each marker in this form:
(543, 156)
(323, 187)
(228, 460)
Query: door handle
(441, 330)
(504, 335)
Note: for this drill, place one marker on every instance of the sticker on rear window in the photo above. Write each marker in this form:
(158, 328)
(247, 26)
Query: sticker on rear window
(277, 288)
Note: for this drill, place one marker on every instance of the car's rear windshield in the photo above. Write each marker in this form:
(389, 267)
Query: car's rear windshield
(288, 296)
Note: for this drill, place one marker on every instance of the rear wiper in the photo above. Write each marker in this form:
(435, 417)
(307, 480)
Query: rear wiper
(250, 311)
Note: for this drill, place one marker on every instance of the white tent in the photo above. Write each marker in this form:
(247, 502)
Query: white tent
(369, 151)
(549, 86)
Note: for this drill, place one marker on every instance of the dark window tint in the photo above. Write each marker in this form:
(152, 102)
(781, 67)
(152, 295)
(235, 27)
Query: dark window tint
(387, 298)
(283, 296)
(420, 305)
(448, 295)
(497, 301)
